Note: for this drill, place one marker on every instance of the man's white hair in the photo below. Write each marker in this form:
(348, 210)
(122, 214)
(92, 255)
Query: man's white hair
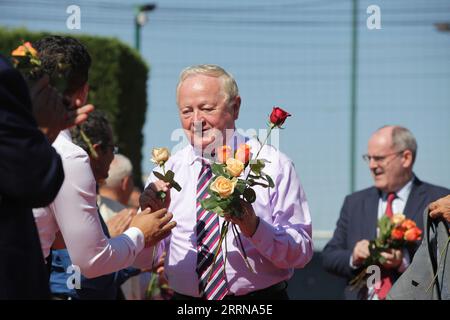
(229, 86)
(120, 168)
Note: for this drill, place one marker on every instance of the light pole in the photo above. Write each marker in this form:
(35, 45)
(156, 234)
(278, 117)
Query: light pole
(140, 19)
(353, 96)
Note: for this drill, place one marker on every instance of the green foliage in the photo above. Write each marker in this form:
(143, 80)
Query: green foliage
(117, 81)
(169, 177)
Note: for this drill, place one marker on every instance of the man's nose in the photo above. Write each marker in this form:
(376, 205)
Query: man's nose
(373, 164)
(197, 117)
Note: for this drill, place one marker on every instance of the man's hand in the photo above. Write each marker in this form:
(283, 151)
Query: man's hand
(154, 225)
(120, 222)
(360, 252)
(51, 110)
(150, 199)
(248, 223)
(393, 258)
(440, 208)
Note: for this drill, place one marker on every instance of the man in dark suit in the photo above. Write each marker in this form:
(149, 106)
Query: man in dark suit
(391, 156)
(31, 174)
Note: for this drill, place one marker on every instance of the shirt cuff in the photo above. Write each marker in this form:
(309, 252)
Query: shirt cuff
(351, 263)
(263, 236)
(136, 235)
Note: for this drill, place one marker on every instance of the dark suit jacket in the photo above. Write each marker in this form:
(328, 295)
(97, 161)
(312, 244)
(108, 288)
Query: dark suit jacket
(358, 220)
(31, 174)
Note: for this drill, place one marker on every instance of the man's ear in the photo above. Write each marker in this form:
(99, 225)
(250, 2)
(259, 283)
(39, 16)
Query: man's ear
(236, 107)
(407, 158)
(124, 183)
(81, 94)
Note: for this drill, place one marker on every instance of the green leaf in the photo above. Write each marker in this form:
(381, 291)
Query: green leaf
(170, 175)
(270, 181)
(175, 185)
(240, 186)
(257, 166)
(250, 195)
(168, 178)
(160, 176)
(218, 210)
(218, 169)
(254, 183)
(209, 203)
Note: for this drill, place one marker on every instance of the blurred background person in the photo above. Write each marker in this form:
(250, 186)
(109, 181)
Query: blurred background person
(134, 198)
(392, 151)
(113, 199)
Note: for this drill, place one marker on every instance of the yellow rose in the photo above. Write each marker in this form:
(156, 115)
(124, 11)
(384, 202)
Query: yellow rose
(160, 155)
(235, 167)
(223, 186)
(398, 218)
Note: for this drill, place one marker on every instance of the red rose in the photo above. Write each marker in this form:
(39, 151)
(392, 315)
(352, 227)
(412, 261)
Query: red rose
(413, 234)
(278, 116)
(397, 234)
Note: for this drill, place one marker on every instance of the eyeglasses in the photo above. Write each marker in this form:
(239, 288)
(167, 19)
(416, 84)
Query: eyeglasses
(367, 158)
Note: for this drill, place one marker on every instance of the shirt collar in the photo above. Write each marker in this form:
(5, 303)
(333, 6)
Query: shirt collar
(66, 134)
(404, 192)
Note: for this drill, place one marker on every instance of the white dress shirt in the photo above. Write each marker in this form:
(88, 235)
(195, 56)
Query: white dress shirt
(281, 242)
(399, 203)
(74, 213)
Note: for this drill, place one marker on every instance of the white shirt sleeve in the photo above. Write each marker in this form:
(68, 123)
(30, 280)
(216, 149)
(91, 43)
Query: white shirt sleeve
(76, 214)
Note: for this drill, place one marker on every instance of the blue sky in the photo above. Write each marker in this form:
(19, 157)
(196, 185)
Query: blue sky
(295, 54)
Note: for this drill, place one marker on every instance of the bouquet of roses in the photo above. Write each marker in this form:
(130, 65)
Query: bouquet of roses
(25, 58)
(396, 232)
(228, 188)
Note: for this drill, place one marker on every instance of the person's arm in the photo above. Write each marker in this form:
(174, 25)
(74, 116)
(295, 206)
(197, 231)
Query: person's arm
(76, 214)
(30, 168)
(337, 257)
(286, 240)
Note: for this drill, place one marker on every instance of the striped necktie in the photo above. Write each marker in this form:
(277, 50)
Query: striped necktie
(212, 279)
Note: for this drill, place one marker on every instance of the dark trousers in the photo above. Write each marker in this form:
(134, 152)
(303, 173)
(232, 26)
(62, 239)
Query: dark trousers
(275, 292)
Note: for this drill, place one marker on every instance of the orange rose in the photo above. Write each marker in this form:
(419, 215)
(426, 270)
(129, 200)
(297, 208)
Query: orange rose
(21, 51)
(413, 234)
(223, 154)
(397, 234)
(243, 153)
(408, 224)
